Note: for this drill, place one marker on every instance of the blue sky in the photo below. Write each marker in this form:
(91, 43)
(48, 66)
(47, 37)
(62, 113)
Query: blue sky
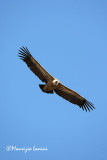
(69, 39)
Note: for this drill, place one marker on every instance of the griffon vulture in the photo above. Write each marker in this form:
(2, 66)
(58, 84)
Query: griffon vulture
(52, 84)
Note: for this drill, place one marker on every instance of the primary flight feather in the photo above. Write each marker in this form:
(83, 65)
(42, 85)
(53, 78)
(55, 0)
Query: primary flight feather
(52, 84)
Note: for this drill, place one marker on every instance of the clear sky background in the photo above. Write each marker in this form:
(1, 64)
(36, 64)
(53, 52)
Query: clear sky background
(69, 39)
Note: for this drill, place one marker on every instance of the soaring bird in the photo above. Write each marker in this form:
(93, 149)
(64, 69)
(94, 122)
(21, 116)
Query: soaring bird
(52, 84)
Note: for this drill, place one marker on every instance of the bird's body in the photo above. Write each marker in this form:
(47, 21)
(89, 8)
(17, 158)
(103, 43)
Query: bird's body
(52, 84)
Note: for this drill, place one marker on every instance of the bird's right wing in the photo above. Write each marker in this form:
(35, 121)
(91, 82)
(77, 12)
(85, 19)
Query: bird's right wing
(35, 67)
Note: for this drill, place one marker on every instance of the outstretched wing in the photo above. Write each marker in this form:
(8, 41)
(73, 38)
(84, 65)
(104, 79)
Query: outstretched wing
(35, 67)
(73, 97)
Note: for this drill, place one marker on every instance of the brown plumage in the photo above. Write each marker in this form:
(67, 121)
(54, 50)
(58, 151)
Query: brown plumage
(52, 84)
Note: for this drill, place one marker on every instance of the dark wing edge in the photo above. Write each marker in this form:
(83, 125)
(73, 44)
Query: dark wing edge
(35, 67)
(74, 98)
(87, 106)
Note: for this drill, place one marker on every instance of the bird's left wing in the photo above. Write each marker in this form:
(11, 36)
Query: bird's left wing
(73, 97)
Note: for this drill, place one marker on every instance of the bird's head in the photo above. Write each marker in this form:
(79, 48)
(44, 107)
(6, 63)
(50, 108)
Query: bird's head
(55, 82)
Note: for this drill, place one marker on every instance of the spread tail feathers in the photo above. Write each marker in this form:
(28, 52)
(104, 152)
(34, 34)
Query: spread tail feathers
(42, 86)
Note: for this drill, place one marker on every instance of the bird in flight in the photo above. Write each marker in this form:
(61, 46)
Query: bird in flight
(52, 84)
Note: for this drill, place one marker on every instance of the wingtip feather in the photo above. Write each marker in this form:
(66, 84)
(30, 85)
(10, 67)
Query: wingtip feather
(24, 53)
(87, 106)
